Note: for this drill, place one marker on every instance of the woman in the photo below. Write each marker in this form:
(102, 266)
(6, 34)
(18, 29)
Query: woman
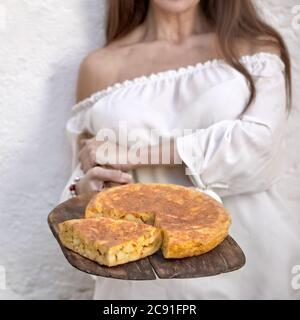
(215, 67)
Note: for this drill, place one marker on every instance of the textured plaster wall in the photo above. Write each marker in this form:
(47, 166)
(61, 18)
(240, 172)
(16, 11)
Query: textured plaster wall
(41, 46)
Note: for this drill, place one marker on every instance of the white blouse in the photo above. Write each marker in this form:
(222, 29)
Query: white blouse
(239, 156)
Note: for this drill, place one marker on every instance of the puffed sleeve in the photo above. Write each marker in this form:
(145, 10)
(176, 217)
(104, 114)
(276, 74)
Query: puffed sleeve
(79, 123)
(246, 154)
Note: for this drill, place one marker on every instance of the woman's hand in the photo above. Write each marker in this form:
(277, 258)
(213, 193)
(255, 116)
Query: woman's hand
(117, 159)
(87, 154)
(95, 178)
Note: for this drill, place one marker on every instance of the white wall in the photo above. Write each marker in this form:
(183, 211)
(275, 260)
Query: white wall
(42, 44)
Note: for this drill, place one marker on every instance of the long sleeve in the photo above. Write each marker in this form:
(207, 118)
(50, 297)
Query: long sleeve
(79, 123)
(246, 154)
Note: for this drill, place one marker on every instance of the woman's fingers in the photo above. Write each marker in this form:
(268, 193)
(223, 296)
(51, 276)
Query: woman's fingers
(95, 178)
(97, 185)
(118, 176)
(82, 143)
(87, 159)
(80, 156)
(85, 166)
(87, 154)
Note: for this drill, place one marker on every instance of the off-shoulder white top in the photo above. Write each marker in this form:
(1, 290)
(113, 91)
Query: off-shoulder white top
(239, 156)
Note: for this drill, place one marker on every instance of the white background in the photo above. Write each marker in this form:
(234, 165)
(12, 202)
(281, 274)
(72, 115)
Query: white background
(41, 46)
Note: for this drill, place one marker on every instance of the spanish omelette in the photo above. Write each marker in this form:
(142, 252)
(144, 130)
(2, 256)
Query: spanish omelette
(192, 222)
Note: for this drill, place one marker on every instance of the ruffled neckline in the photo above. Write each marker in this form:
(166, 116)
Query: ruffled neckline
(253, 59)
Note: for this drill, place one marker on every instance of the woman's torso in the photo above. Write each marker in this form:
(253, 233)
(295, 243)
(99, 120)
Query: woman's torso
(166, 103)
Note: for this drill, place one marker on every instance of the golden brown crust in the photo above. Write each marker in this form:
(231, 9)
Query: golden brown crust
(108, 241)
(192, 222)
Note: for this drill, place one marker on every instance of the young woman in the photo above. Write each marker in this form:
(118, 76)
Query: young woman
(216, 68)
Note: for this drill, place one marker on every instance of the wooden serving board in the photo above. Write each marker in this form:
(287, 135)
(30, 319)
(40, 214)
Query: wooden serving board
(227, 257)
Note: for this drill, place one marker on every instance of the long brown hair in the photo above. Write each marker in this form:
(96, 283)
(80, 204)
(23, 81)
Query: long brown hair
(231, 20)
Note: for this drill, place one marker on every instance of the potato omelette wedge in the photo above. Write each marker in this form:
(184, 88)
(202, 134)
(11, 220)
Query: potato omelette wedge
(110, 242)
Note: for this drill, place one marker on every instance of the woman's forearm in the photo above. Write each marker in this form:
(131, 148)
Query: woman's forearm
(164, 154)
